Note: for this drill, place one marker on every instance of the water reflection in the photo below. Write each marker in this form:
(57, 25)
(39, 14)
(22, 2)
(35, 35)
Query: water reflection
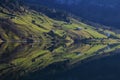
(37, 61)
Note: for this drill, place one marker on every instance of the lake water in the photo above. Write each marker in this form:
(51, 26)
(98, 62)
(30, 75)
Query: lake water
(36, 61)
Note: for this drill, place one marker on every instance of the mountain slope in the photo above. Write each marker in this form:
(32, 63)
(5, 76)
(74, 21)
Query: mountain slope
(104, 12)
(29, 25)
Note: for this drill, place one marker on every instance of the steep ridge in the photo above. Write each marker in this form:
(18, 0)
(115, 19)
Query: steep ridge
(27, 25)
(104, 12)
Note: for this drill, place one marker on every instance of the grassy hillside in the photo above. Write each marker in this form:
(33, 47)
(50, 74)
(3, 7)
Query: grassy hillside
(33, 24)
(28, 25)
(98, 11)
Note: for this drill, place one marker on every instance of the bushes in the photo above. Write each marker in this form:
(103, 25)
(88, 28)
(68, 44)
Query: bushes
(33, 21)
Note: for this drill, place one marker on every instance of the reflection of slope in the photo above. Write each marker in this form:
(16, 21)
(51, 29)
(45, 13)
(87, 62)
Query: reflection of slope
(85, 52)
(103, 52)
(26, 58)
(111, 48)
(62, 66)
(21, 57)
